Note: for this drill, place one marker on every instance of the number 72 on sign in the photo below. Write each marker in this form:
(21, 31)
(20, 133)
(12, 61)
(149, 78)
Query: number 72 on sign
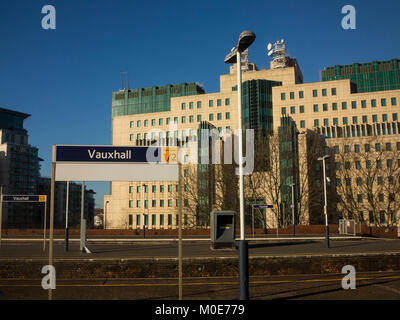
(169, 155)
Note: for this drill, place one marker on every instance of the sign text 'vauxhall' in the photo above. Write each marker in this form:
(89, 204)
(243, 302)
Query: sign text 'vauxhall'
(108, 154)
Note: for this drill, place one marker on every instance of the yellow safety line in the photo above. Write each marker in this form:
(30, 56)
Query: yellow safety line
(196, 283)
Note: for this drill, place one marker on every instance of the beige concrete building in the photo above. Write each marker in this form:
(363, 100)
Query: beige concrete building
(332, 109)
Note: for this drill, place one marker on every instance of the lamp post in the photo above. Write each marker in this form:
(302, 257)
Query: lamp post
(144, 214)
(325, 201)
(246, 38)
(294, 229)
(66, 219)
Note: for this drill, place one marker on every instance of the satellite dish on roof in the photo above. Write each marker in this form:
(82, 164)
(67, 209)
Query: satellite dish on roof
(269, 47)
(270, 53)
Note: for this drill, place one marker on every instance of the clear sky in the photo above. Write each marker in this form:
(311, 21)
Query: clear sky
(65, 77)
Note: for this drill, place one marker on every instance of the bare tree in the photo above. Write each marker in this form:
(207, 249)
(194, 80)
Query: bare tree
(368, 180)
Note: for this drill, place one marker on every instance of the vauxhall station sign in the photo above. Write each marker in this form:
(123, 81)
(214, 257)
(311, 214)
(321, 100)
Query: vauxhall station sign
(115, 163)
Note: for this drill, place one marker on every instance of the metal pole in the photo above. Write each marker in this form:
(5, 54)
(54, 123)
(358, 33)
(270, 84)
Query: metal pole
(252, 218)
(180, 276)
(1, 210)
(82, 244)
(66, 220)
(294, 229)
(242, 245)
(144, 215)
(44, 225)
(325, 208)
(52, 187)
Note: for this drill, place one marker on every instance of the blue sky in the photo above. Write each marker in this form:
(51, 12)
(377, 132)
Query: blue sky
(65, 77)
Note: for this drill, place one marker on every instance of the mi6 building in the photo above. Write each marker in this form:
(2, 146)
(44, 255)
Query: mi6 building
(350, 116)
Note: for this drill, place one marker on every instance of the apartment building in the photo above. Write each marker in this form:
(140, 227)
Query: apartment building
(19, 170)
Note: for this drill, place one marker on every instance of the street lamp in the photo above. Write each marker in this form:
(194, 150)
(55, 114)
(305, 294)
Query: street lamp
(294, 230)
(144, 214)
(325, 202)
(246, 38)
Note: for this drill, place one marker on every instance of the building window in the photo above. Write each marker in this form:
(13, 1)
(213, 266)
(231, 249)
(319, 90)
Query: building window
(199, 118)
(153, 203)
(326, 122)
(324, 92)
(291, 95)
(211, 117)
(302, 124)
(183, 119)
(377, 147)
(198, 104)
(283, 96)
(219, 116)
(132, 124)
(131, 137)
(315, 93)
(344, 105)
(301, 109)
(191, 105)
(292, 110)
(354, 120)
(227, 115)
(367, 147)
(161, 188)
(301, 94)
(139, 123)
(219, 102)
(394, 116)
(191, 119)
(183, 106)
(333, 91)
(283, 110)
(354, 104)
(344, 120)
(364, 119)
(383, 102)
(357, 148)
(335, 121)
(394, 102)
(373, 103)
(227, 102)
(316, 123)
(334, 106)
(153, 219)
(374, 118)
(325, 107)
(162, 203)
(210, 103)
(169, 203)
(384, 117)
(315, 108)
(161, 219)
(363, 104)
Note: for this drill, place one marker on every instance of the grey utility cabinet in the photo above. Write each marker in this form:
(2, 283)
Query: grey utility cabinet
(223, 229)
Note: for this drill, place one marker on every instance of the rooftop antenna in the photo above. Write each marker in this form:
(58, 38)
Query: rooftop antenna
(123, 87)
(278, 53)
